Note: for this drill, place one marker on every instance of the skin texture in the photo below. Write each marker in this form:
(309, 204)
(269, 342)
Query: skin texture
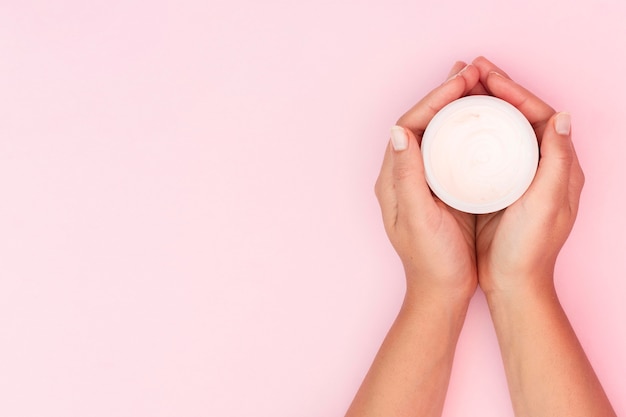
(547, 370)
(511, 254)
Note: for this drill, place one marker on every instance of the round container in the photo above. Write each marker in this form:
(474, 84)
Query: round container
(480, 154)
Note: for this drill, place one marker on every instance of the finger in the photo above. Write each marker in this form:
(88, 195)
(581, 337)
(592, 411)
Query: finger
(577, 180)
(557, 158)
(456, 68)
(485, 66)
(418, 117)
(478, 90)
(413, 196)
(536, 111)
(384, 189)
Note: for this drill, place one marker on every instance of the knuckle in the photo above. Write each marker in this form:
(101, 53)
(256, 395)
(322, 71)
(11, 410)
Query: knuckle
(377, 188)
(402, 172)
(581, 177)
(577, 178)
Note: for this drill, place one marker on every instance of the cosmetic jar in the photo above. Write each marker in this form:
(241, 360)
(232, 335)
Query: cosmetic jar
(480, 154)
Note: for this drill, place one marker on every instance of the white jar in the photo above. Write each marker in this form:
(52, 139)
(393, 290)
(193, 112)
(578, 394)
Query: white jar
(480, 154)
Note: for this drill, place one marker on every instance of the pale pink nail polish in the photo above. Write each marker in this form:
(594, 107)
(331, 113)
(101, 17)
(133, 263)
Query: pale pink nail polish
(458, 74)
(562, 123)
(399, 138)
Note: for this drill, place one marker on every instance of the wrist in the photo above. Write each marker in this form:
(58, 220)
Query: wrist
(437, 303)
(436, 316)
(529, 293)
(451, 292)
(506, 282)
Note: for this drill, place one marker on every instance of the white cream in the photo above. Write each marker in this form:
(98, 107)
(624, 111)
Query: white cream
(480, 154)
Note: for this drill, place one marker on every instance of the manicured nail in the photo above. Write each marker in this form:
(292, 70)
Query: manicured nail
(562, 123)
(399, 138)
(463, 69)
(458, 74)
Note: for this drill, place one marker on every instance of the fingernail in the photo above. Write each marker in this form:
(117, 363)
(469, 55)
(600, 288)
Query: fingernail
(562, 123)
(459, 73)
(399, 138)
(496, 73)
(463, 70)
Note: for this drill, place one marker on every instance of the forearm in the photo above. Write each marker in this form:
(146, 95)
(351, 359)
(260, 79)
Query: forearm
(547, 370)
(410, 374)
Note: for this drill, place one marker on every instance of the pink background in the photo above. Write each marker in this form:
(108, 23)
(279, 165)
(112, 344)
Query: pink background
(187, 218)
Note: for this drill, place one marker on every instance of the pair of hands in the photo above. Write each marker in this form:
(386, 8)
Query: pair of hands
(447, 253)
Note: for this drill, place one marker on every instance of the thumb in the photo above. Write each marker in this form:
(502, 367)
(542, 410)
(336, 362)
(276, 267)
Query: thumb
(412, 193)
(557, 156)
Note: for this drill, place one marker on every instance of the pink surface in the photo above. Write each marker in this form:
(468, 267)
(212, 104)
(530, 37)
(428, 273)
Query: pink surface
(188, 225)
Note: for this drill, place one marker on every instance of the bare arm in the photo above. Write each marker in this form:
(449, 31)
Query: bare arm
(410, 374)
(547, 370)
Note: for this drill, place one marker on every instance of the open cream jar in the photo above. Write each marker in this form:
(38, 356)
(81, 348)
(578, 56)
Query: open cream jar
(480, 154)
